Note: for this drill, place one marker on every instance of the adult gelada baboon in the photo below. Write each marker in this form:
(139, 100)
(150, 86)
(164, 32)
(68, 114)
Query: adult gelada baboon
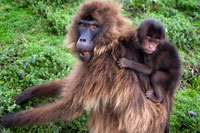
(115, 97)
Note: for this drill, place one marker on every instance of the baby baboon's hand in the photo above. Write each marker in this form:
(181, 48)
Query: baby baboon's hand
(122, 63)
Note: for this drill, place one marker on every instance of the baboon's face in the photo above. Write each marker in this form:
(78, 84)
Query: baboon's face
(87, 29)
(150, 45)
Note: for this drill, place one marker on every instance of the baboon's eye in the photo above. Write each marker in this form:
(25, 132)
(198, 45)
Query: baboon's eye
(93, 27)
(82, 26)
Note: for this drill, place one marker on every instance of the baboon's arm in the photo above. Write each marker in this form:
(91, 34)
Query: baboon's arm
(66, 109)
(50, 89)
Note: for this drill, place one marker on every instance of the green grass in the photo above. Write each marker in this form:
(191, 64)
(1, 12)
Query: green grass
(181, 122)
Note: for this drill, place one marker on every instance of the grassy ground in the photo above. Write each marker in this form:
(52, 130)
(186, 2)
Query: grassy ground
(31, 54)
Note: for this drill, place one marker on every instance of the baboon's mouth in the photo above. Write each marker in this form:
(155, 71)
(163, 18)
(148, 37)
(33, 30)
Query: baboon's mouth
(83, 53)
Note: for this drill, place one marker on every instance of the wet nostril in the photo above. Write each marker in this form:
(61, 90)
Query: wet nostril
(84, 40)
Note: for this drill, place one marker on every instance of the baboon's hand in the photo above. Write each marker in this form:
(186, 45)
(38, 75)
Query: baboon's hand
(23, 97)
(122, 63)
(6, 121)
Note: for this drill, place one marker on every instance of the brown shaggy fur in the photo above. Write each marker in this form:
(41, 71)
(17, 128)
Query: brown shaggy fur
(115, 97)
